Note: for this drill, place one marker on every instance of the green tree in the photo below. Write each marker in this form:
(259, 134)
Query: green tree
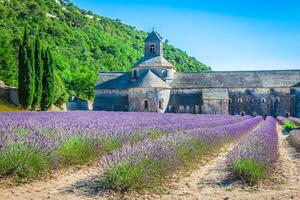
(39, 72)
(7, 61)
(48, 81)
(29, 82)
(26, 72)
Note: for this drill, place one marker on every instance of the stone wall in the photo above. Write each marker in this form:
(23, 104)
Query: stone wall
(138, 96)
(296, 102)
(185, 101)
(111, 100)
(10, 94)
(78, 104)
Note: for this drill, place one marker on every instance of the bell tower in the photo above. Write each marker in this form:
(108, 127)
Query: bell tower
(153, 45)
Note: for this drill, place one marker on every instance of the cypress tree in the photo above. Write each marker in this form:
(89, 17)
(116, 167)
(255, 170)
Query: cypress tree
(22, 66)
(48, 81)
(39, 71)
(26, 76)
(29, 84)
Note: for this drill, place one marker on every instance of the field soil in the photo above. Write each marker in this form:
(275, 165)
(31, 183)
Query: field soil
(209, 180)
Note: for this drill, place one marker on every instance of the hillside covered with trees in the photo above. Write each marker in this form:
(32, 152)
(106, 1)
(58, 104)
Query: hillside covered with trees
(82, 43)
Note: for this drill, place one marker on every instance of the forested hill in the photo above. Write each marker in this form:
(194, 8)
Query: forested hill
(81, 41)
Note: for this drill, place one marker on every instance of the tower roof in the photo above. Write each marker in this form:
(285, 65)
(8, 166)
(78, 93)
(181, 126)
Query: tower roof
(153, 36)
(158, 61)
(149, 80)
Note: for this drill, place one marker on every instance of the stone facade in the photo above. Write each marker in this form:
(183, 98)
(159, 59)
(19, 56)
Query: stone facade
(155, 86)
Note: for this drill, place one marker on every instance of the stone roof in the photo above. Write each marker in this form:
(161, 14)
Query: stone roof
(237, 79)
(149, 80)
(157, 61)
(153, 36)
(242, 79)
(110, 80)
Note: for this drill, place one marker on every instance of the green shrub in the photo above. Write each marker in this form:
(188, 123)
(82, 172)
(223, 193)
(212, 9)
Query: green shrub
(249, 170)
(75, 151)
(288, 125)
(23, 161)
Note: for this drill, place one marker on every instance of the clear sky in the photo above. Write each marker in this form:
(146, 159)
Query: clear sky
(224, 34)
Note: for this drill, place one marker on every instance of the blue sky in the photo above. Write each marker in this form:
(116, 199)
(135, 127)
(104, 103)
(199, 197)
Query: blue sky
(224, 34)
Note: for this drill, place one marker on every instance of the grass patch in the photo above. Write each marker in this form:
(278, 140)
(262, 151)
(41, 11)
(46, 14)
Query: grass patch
(23, 161)
(8, 107)
(249, 170)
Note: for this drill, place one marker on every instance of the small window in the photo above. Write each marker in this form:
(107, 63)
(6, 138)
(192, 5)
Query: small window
(146, 104)
(277, 100)
(287, 115)
(152, 48)
(252, 100)
(240, 100)
(135, 74)
(263, 100)
(160, 104)
(230, 100)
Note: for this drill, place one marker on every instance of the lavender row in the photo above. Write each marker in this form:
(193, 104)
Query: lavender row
(49, 140)
(47, 130)
(255, 155)
(294, 139)
(147, 162)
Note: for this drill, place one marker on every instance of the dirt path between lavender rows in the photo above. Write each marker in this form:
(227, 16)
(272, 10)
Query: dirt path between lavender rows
(212, 182)
(209, 181)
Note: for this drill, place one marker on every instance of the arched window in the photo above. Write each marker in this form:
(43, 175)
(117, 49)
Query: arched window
(240, 100)
(230, 100)
(146, 104)
(287, 114)
(243, 113)
(277, 100)
(152, 48)
(263, 100)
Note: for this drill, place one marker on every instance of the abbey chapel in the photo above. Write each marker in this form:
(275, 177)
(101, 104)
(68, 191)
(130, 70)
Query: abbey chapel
(153, 85)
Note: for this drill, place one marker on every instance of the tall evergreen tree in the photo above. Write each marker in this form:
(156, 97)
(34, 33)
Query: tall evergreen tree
(48, 81)
(21, 74)
(7, 63)
(39, 71)
(26, 72)
(29, 83)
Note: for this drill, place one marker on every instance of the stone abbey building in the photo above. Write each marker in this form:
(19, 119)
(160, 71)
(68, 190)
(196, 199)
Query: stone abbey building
(153, 85)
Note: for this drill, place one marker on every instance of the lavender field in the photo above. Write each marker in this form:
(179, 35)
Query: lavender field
(136, 150)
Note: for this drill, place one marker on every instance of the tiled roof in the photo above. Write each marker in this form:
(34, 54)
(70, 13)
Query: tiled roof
(149, 80)
(158, 61)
